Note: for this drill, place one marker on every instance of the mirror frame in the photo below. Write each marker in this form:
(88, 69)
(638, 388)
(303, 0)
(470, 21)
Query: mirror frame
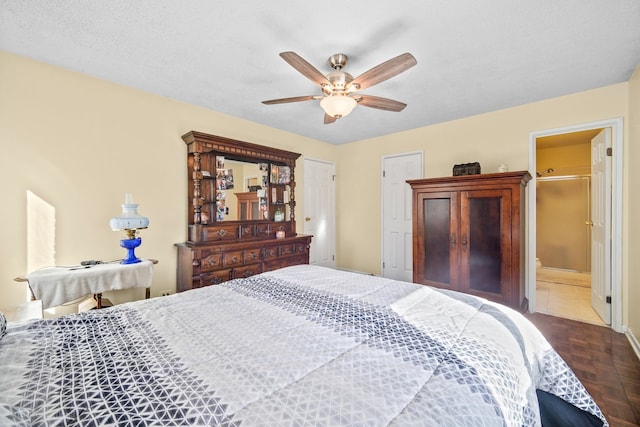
(201, 145)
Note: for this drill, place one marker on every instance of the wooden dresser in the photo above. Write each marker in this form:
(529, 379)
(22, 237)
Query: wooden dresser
(221, 249)
(468, 235)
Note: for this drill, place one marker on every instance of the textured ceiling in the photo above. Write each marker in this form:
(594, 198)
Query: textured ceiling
(473, 57)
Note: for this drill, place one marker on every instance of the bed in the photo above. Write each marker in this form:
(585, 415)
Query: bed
(303, 345)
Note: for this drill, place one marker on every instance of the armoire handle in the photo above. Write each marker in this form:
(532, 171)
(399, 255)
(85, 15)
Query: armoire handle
(464, 242)
(453, 240)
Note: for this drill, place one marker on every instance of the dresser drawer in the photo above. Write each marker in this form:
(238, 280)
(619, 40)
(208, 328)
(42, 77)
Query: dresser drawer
(271, 252)
(286, 250)
(214, 278)
(251, 256)
(220, 233)
(232, 259)
(262, 229)
(300, 248)
(210, 261)
(247, 270)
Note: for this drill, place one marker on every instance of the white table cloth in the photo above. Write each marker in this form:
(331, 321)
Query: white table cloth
(58, 285)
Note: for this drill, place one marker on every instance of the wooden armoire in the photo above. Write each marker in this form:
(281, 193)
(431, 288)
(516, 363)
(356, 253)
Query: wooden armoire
(468, 235)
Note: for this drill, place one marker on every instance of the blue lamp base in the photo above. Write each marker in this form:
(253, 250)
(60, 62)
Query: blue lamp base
(130, 245)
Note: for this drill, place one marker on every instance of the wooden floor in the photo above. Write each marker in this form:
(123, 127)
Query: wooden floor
(603, 360)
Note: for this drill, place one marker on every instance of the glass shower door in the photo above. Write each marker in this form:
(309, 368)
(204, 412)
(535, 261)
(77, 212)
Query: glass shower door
(563, 233)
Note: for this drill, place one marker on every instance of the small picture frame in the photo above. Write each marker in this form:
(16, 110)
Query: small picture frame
(228, 176)
(274, 174)
(280, 174)
(284, 175)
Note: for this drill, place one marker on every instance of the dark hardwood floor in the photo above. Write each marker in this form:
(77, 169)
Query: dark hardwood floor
(603, 360)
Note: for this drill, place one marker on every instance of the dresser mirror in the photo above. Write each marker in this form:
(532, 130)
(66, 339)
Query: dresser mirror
(244, 191)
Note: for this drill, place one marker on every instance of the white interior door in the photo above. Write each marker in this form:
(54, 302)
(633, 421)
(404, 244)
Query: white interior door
(319, 210)
(397, 253)
(601, 225)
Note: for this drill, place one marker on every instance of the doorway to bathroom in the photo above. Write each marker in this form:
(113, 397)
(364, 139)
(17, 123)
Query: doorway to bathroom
(564, 224)
(607, 154)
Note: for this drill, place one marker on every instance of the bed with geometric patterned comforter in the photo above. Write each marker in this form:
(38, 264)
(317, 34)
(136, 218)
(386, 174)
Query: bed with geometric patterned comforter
(299, 346)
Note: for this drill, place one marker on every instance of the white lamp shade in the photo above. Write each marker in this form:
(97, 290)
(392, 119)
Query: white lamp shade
(129, 219)
(338, 105)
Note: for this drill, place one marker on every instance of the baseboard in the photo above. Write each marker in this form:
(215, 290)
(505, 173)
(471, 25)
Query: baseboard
(635, 344)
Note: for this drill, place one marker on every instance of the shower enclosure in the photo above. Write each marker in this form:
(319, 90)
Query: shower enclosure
(563, 218)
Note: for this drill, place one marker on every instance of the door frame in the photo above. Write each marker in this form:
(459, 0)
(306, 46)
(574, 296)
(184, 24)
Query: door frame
(617, 144)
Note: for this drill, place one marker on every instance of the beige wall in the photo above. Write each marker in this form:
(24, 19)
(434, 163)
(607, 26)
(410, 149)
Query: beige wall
(80, 143)
(572, 159)
(492, 138)
(70, 138)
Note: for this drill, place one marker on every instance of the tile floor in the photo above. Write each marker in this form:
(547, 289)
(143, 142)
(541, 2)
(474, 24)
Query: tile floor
(565, 294)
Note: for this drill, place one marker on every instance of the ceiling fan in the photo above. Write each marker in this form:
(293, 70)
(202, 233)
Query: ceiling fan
(339, 88)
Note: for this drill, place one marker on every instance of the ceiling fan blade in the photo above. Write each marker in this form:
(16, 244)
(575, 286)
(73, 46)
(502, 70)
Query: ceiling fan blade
(306, 69)
(292, 99)
(329, 119)
(384, 71)
(379, 103)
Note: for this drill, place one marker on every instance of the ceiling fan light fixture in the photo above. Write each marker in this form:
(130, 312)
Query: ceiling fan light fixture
(338, 105)
(339, 88)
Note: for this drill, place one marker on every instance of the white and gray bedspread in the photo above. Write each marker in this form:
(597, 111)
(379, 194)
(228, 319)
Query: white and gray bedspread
(299, 346)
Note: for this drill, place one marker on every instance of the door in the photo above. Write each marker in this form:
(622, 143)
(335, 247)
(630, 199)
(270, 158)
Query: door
(319, 210)
(601, 219)
(485, 244)
(397, 258)
(438, 240)
(563, 232)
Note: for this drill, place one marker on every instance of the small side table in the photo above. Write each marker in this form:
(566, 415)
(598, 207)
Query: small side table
(58, 285)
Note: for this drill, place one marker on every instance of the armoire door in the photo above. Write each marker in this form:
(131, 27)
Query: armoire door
(436, 255)
(485, 243)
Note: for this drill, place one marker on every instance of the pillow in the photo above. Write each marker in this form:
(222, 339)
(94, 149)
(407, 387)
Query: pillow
(3, 325)
(556, 412)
